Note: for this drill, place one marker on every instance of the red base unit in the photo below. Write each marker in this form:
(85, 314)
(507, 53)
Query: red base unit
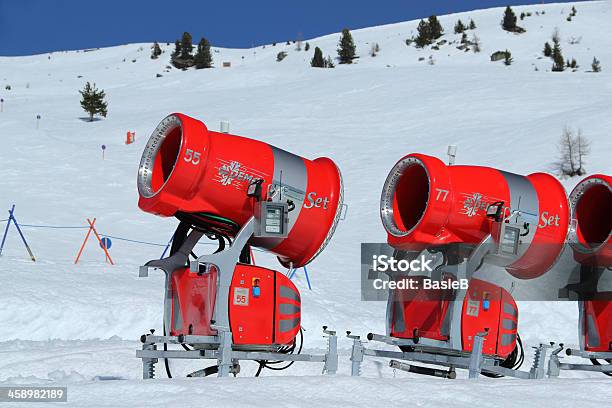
(489, 308)
(486, 308)
(264, 305)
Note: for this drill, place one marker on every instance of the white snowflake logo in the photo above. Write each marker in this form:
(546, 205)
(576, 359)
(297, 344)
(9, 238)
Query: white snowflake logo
(228, 172)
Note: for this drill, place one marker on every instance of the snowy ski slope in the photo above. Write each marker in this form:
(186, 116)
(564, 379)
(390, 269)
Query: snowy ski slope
(78, 325)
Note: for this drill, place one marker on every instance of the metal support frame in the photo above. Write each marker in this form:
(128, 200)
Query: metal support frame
(433, 353)
(219, 347)
(555, 365)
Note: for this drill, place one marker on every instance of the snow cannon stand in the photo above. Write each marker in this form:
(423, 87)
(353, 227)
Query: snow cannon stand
(240, 193)
(479, 225)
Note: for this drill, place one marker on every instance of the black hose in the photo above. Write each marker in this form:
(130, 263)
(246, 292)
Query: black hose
(285, 350)
(596, 362)
(165, 359)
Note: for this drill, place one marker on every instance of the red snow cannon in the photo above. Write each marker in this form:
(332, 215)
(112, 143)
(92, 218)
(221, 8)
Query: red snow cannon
(591, 228)
(426, 203)
(591, 239)
(191, 172)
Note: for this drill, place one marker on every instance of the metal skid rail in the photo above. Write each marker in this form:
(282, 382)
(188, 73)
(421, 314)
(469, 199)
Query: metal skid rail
(555, 365)
(433, 352)
(221, 350)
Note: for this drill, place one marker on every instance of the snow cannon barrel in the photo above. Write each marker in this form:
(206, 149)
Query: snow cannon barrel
(191, 172)
(591, 228)
(426, 203)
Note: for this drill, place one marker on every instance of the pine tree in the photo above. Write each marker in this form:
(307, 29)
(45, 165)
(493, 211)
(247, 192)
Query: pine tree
(508, 58)
(472, 24)
(435, 28)
(476, 43)
(459, 27)
(306, 46)
(464, 39)
(186, 46)
(557, 56)
(177, 49)
(317, 60)
(596, 65)
(574, 63)
(346, 47)
(329, 63)
(547, 49)
(92, 101)
(155, 50)
(424, 36)
(509, 21)
(203, 58)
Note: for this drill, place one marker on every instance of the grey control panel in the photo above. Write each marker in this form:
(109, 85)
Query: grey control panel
(272, 219)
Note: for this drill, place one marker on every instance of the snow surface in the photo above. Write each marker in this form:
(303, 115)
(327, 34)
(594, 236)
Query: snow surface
(78, 325)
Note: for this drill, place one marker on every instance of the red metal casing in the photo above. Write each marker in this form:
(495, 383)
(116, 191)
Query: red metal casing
(591, 239)
(186, 167)
(425, 312)
(427, 203)
(499, 320)
(270, 318)
(422, 313)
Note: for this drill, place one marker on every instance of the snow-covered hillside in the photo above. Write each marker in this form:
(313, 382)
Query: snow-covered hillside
(77, 324)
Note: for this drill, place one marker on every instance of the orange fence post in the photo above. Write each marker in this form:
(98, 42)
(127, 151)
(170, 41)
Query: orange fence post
(108, 257)
(93, 228)
(83, 245)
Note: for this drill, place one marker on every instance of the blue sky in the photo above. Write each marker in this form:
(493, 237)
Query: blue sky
(38, 26)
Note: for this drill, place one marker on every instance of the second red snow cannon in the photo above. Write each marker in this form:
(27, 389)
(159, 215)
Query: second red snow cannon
(471, 219)
(240, 193)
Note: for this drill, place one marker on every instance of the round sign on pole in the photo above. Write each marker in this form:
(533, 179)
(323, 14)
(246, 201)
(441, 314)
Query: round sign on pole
(106, 243)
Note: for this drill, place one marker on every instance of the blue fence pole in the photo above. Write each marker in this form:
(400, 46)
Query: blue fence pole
(23, 237)
(294, 270)
(307, 278)
(166, 249)
(8, 224)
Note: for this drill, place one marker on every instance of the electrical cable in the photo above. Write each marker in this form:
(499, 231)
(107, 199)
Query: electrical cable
(514, 360)
(285, 350)
(596, 362)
